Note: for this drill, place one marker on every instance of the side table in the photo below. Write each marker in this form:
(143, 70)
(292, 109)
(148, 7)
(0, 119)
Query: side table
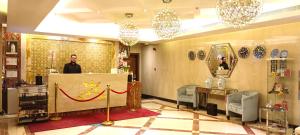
(272, 110)
(212, 91)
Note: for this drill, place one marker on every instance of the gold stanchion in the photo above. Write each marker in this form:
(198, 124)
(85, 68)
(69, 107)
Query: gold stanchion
(107, 122)
(133, 101)
(55, 117)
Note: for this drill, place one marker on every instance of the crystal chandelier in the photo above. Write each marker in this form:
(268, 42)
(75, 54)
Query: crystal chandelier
(128, 32)
(238, 13)
(166, 23)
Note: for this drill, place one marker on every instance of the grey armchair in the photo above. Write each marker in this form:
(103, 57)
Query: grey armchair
(187, 93)
(244, 103)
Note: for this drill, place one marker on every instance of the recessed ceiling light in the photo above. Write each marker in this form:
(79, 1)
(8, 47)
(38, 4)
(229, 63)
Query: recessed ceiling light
(3, 6)
(93, 40)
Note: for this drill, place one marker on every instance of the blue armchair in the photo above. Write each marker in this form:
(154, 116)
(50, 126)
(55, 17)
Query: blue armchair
(244, 103)
(187, 93)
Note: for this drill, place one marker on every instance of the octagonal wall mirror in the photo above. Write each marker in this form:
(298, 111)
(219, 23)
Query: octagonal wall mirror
(221, 60)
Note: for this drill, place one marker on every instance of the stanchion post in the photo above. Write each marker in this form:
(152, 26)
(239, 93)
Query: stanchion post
(55, 117)
(107, 122)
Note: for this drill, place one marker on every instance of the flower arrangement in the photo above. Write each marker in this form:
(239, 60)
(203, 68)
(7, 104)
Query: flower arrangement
(122, 66)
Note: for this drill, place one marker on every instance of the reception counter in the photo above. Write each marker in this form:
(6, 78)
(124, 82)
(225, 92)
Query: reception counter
(83, 87)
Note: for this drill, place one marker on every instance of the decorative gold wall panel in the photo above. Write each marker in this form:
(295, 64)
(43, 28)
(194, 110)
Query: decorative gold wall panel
(43, 54)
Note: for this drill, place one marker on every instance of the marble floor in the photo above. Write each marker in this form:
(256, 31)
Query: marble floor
(170, 122)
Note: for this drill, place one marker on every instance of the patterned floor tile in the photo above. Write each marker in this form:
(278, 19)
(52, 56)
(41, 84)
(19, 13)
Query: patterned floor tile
(102, 130)
(151, 105)
(172, 121)
(65, 131)
(176, 124)
(221, 127)
(176, 114)
(162, 132)
(138, 122)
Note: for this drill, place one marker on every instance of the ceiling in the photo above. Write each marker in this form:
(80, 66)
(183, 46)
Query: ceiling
(105, 11)
(101, 18)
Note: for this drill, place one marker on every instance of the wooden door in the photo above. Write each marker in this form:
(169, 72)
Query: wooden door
(133, 62)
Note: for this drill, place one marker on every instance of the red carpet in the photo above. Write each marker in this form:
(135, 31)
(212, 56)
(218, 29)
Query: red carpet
(97, 118)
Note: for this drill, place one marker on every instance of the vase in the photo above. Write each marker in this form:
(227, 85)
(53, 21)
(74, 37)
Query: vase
(221, 83)
(126, 69)
(208, 82)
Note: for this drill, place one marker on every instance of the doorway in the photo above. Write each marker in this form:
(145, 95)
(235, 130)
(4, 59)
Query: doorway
(133, 62)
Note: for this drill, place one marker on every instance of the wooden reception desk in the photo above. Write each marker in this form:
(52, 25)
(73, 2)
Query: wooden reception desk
(85, 86)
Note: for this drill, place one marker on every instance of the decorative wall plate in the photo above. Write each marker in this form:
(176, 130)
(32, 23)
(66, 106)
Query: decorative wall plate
(192, 55)
(284, 54)
(244, 52)
(201, 54)
(259, 51)
(275, 53)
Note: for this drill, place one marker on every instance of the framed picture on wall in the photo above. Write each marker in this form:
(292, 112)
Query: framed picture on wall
(11, 73)
(11, 47)
(12, 61)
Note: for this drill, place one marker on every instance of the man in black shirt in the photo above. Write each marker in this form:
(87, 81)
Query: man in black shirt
(72, 67)
(223, 64)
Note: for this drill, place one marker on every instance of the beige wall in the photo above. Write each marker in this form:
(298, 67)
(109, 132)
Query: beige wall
(174, 69)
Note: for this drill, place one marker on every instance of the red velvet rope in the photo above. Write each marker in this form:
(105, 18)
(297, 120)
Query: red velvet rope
(122, 92)
(80, 100)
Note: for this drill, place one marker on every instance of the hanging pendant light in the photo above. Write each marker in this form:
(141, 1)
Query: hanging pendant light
(166, 23)
(238, 13)
(128, 31)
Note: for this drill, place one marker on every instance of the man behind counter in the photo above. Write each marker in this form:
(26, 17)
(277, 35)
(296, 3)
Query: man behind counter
(72, 67)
